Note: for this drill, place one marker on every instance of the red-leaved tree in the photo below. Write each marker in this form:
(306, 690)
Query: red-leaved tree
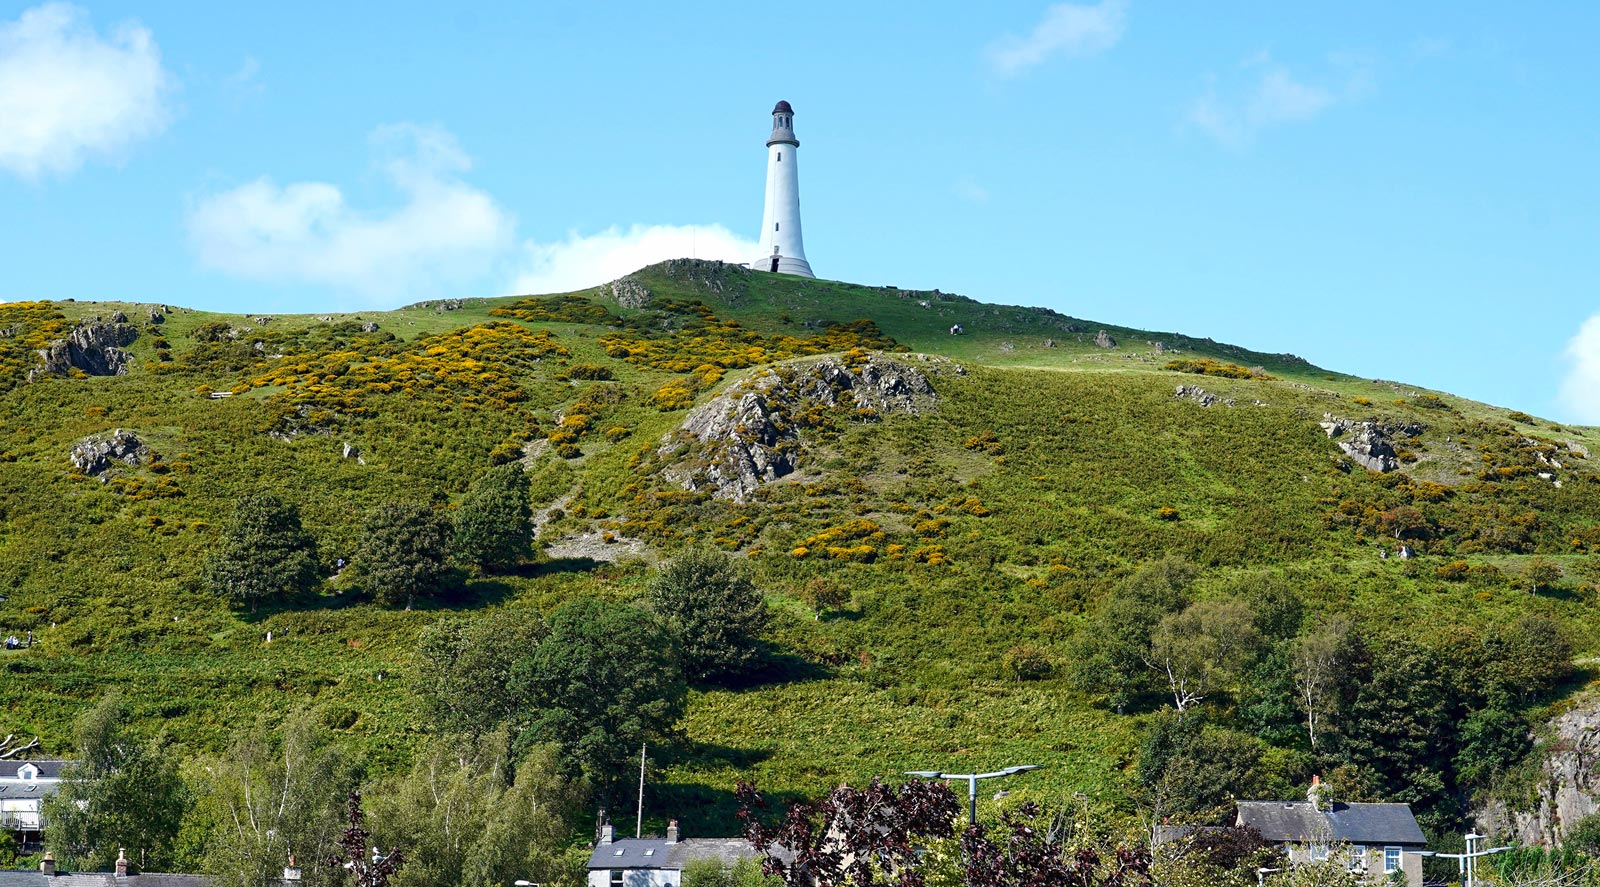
(353, 852)
(862, 837)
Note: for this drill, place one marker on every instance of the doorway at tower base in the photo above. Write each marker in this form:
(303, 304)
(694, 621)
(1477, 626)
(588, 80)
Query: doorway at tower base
(786, 265)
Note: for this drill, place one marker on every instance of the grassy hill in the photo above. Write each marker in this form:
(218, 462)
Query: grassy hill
(1051, 468)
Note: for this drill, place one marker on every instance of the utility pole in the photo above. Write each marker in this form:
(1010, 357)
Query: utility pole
(638, 822)
(972, 782)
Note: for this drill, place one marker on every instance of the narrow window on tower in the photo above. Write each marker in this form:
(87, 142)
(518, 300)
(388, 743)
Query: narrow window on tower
(774, 226)
(780, 156)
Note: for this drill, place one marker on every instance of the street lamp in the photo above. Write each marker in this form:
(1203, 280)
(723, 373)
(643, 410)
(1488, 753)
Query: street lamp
(1467, 863)
(972, 782)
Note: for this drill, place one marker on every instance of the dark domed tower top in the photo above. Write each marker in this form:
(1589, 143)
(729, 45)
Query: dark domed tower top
(782, 126)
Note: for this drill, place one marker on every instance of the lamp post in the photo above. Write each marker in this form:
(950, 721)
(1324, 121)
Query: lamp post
(972, 782)
(1467, 863)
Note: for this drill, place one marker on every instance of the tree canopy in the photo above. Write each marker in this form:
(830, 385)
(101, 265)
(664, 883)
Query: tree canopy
(494, 525)
(404, 553)
(711, 603)
(263, 554)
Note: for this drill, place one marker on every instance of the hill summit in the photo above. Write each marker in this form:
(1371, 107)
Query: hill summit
(970, 484)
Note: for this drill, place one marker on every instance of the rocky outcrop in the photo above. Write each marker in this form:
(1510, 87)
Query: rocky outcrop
(1201, 396)
(628, 292)
(92, 348)
(1103, 339)
(369, 327)
(95, 454)
(750, 434)
(1367, 443)
(1568, 787)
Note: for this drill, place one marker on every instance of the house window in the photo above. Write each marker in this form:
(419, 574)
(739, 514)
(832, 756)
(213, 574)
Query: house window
(1391, 860)
(1319, 852)
(1358, 859)
(616, 878)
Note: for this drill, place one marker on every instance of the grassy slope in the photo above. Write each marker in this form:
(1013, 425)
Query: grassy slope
(1094, 445)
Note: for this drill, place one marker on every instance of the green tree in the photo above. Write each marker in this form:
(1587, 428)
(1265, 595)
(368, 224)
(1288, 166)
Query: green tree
(1541, 572)
(264, 554)
(405, 553)
(119, 793)
(823, 594)
(278, 792)
(1322, 664)
(1492, 739)
(464, 667)
(468, 816)
(1203, 649)
(494, 525)
(1111, 655)
(605, 680)
(713, 606)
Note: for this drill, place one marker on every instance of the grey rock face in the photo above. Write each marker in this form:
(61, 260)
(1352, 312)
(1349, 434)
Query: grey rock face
(1201, 396)
(1103, 339)
(369, 327)
(118, 317)
(93, 348)
(629, 293)
(748, 435)
(1568, 785)
(1368, 443)
(95, 454)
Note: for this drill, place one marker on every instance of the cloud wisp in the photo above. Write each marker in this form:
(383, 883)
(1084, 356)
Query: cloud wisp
(1272, 96)
(580, 261)
(1580, 390)
(445, 231)
(1069, 29)
(68, 94)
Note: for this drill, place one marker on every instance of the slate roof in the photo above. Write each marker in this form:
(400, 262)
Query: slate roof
(656, 853)
(101, 879)
(49, 768)
(11, 791)
(1299, 821)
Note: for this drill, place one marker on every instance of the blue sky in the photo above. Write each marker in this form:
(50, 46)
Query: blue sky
(1401, 190)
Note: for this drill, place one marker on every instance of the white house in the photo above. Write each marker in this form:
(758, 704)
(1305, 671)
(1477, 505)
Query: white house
(658, 862)
(1376, 840)
(23, 787)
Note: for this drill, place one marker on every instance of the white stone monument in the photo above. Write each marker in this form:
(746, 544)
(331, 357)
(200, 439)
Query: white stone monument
(782, 249)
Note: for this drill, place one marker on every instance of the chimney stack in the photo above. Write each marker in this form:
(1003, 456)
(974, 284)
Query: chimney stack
(606, 833)
(1315, 793)
(47, 866)
(672, 832)
(291, 872)
(122, 862)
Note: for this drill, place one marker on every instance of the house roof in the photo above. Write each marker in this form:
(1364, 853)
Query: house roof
(101, 879)
(49, 768)
(1353, 823)
(11, 791)
(656, 853)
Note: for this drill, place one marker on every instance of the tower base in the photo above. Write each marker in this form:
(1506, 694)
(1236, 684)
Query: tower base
(786, 265)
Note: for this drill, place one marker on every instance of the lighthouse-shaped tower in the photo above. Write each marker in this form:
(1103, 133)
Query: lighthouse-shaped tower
(782, 249)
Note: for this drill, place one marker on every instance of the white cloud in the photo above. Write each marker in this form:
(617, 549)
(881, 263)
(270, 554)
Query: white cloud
(67, 94)
(1580, 390)
(1272, 97)
(1068, 29)
(445, 231)
(582, 261)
